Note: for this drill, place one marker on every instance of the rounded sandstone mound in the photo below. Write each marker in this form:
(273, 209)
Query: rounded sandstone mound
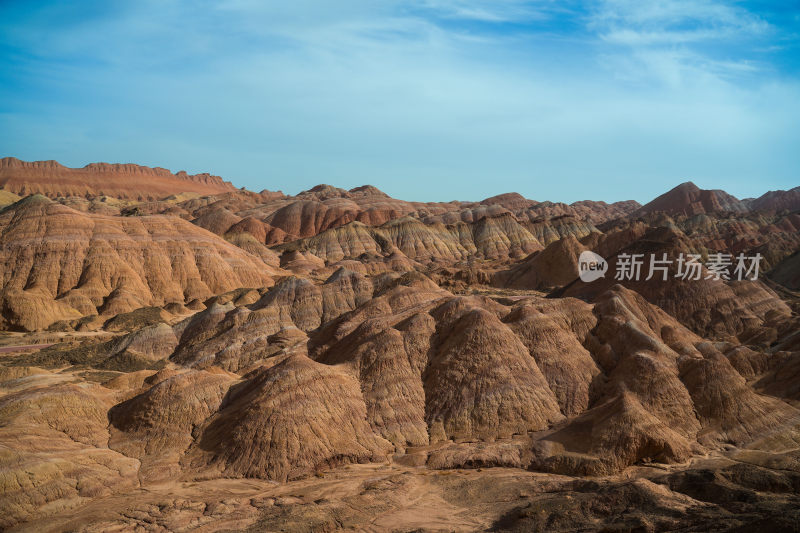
(288, 421)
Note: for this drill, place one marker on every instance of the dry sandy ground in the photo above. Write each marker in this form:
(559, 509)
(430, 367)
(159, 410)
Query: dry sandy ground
(398, 498)
(368, 497)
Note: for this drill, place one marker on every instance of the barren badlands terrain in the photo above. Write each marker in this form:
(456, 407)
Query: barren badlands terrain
(178, 354)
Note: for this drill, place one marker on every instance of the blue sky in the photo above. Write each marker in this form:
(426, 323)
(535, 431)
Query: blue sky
(429, 100)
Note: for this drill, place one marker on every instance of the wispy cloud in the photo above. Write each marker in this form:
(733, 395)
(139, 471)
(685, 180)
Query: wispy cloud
(489, 10)
(675, 21)
(429, 100)
(680, 41)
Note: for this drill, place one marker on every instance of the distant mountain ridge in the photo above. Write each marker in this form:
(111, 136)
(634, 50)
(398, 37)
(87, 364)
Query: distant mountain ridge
(776, 200)
(123, 181)
(688, 199)
(52, 179)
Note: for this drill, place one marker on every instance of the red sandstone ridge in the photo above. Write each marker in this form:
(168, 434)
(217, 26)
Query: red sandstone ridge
(776, 201)
(688, 199)
(125, 181)
(510, 200)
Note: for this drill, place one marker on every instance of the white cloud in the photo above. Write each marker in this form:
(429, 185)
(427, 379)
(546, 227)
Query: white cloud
(489, 10)
(676, 21)
(676, 42)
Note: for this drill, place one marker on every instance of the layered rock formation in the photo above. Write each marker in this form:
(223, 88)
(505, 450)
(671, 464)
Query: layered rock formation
(60, 264)
(128, 181)
(341, 359)
(288, 421)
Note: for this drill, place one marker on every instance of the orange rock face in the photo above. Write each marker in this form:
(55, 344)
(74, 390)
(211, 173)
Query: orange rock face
(127, 181)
